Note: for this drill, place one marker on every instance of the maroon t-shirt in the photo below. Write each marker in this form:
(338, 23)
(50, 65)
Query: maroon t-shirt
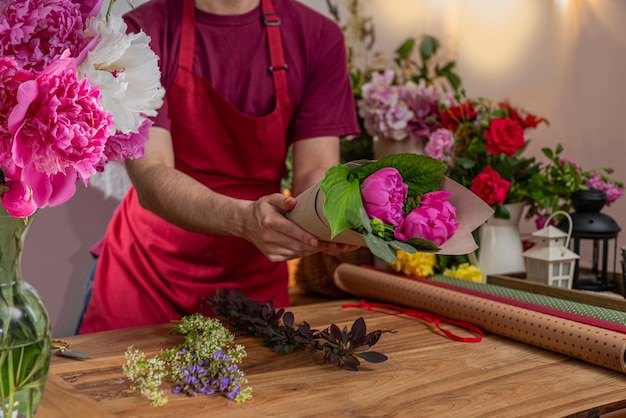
(231, 52)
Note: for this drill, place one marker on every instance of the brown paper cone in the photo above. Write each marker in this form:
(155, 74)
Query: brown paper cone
(309, 215)
(471, 212)
(592, 344)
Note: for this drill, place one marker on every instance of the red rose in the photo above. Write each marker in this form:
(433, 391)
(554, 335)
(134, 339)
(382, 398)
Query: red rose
(504, 136)
(490, 187)
(526, 120)
(453, 116)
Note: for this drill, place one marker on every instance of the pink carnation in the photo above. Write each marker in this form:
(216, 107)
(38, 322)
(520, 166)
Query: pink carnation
(60, 130)
(440, 145)
(612, 191)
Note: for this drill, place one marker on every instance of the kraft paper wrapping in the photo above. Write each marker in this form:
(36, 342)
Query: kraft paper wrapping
(471, 212)
(592, 344)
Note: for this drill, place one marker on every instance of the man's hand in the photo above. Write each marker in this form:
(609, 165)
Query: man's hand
(279, 238)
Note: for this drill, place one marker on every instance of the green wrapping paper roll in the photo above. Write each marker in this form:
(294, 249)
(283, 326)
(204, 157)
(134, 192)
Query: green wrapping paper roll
(593, 344)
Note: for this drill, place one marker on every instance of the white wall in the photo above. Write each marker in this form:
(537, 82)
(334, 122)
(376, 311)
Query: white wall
(562, 59)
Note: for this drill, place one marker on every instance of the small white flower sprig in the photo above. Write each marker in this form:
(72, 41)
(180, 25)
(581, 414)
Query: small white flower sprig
(205, 363)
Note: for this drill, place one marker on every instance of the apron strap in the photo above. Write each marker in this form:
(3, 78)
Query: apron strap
(278, 67)
(187, 35)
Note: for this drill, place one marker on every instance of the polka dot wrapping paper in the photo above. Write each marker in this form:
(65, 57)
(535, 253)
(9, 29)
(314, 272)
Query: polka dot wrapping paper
(595, 339)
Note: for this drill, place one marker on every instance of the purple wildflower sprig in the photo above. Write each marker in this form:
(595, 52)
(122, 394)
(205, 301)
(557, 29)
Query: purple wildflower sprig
(206, 363)
(209, 376)
(278, 330)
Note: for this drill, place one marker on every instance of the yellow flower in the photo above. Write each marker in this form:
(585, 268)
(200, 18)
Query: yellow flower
(415, 264)
(465, 271)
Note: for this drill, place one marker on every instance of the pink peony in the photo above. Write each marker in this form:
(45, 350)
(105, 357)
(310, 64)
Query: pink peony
(434, 220)
(37, 32)
(121, 147)
(11, 76)
(384, 194)
(60, 130)
(18, 199)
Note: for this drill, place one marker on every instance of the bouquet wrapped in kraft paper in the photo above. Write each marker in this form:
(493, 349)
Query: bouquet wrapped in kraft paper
(399, 202)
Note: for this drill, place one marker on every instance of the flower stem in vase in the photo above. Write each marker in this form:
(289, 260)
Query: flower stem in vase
(25, 336)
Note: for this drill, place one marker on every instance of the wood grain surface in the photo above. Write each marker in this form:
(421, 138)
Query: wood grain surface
(427, 374)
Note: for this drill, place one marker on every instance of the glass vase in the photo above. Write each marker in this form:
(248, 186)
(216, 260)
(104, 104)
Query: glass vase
(25, 335)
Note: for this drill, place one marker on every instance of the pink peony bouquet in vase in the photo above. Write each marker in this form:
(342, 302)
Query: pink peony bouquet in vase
(399, 202)
(76, 92)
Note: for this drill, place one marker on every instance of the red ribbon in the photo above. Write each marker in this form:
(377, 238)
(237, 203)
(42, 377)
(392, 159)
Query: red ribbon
(428, 317)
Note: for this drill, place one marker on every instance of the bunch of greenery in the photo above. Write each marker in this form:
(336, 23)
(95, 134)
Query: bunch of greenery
(277, 329)
(551, 189)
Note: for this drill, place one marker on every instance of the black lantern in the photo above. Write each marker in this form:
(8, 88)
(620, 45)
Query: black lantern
(590, 224)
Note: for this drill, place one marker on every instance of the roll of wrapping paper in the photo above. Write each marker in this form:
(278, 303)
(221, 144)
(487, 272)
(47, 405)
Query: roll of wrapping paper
(593, 344)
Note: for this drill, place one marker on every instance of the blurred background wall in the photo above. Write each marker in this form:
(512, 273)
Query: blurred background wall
(560, 59)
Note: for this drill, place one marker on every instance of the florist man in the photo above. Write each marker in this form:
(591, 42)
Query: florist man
(244, 80)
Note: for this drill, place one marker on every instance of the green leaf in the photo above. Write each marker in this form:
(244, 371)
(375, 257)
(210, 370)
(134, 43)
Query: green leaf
(422, 244)
(428, 47)
(421, 173)
(342, 200)
(379, 247)
(406, 48)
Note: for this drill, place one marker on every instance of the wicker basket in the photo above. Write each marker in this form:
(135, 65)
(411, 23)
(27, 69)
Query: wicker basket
(314, 273)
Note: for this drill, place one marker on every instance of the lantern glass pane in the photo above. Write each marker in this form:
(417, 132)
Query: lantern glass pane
(566, 269)
(556, 268)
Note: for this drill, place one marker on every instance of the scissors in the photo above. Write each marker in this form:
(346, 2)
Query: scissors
(62, 348)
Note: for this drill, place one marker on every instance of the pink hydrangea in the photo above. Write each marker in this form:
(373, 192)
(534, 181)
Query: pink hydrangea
(37, 32)
(17, 199)
(384, 113)
(434, 219)
(424, 102)
(384, 195)
(59, 132)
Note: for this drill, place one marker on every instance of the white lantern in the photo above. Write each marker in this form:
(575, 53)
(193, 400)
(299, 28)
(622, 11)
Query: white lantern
(550, 261)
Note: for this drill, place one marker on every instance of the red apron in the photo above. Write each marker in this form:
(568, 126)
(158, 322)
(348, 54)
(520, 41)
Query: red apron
(150, 271)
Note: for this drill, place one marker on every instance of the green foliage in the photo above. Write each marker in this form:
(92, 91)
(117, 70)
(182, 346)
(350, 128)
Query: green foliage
(551, 188)
(422, 70)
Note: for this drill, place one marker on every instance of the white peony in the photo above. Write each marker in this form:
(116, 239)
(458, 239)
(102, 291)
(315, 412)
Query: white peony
(126, 69)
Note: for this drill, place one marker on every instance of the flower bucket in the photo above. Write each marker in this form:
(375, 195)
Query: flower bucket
(471, 212)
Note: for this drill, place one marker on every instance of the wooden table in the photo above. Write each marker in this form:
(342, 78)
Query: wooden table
(427, 374)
